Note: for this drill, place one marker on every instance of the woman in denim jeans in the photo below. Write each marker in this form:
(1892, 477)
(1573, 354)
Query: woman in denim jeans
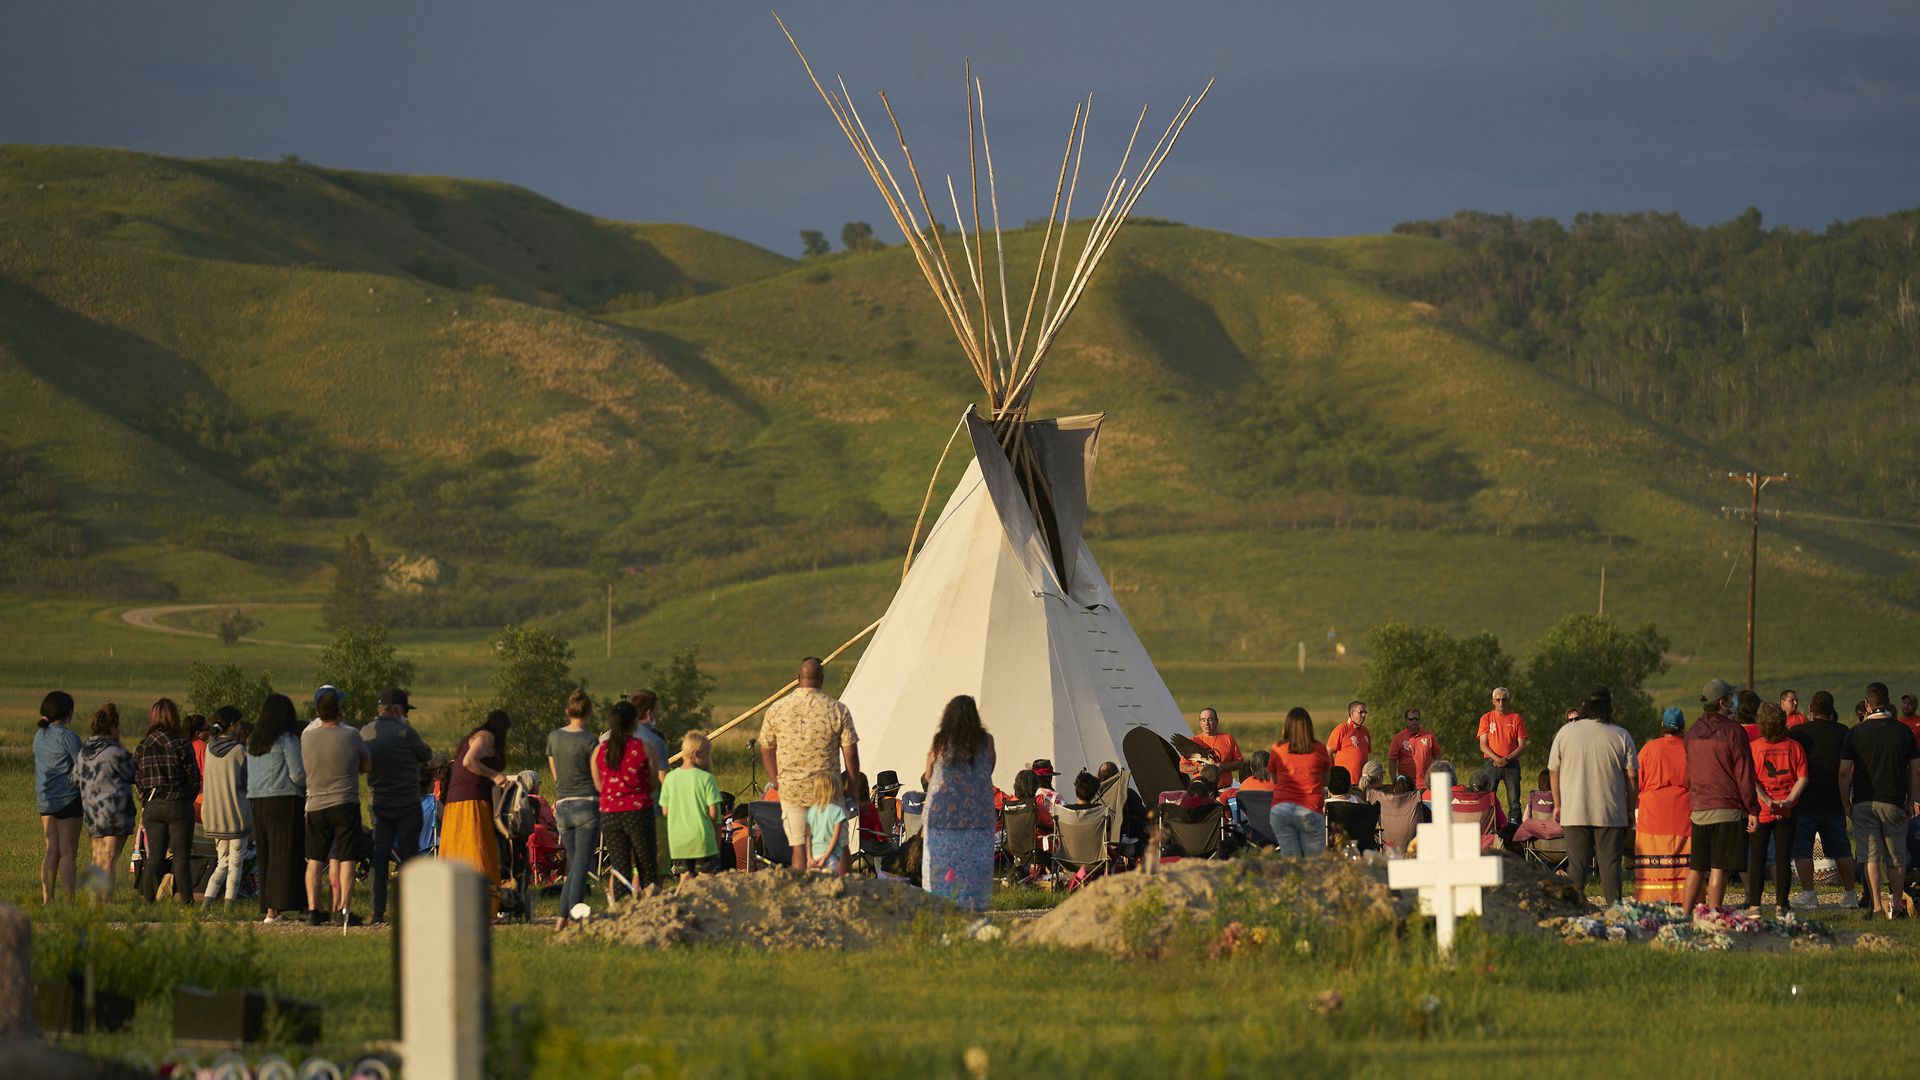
(1298, 764)
(576, 806)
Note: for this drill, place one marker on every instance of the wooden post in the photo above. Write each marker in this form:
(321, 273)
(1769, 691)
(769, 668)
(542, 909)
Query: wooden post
(1303, 658)
(1754, 481)
(446, 971)
(609, 620)
(1603, 589)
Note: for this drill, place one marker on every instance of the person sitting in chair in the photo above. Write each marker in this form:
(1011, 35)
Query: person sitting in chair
(1349, 817)
(1257, 779)
(1086, 792)
(1194, 803)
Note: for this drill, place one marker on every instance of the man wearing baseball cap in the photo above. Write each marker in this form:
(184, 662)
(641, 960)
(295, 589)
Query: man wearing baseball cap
(1720, 790)
(394, 789)
(328, 692)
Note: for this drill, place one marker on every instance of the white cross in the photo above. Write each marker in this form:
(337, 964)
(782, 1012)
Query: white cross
(1449, 871)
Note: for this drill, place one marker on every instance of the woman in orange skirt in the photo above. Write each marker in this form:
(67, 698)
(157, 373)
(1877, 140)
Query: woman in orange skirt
(1662, 834)
(466, 825)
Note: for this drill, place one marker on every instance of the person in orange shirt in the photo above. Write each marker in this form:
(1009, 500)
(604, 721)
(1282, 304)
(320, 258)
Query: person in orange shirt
(1779, 775)
(1226, 750)
(1299, 764)
(1503, 734)
(1910, 714)
(1413, 751)
(1350, 742)
(1257, 772)
(1663, 833)
(1790, 704)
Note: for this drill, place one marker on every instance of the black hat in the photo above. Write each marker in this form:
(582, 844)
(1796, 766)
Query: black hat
(395, 697)
(888, 780)
(1042, 767)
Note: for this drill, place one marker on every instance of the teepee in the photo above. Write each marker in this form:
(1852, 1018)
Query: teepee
(1005, 602)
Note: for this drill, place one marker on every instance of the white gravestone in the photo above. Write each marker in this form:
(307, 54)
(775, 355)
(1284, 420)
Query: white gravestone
(446, 971)
(1449, 870)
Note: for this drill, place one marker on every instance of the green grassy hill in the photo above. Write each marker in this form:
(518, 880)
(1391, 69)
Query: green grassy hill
(218, 368)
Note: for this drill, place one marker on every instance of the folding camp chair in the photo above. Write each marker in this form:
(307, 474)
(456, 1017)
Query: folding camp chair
(1548, 851)
(1195, 833)
(1358, 822)
(1020, 840)
(1400, 815)
(771, 846)
(1080, 842)
(1256, 808)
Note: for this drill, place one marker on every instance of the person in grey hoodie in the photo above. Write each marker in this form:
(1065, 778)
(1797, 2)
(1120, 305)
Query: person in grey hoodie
(277, 790)
(105, 776)
(225, 814)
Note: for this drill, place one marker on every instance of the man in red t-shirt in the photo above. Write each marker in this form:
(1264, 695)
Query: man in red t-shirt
(1502, 735)
(1790, 705)
(1350, 742)
(1413, 751)
(1226, 750)
(1910, 714)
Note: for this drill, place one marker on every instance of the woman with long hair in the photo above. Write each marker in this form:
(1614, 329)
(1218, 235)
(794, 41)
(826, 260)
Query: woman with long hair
(168, 780)
(1298, 764)
(277, 790)
(56, 750)
(466, 827)
(958, 860)
(106, 774)
(623, 774)
(576, 803)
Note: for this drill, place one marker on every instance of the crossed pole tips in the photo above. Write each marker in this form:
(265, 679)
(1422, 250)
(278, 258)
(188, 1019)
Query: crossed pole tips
(1449, 871)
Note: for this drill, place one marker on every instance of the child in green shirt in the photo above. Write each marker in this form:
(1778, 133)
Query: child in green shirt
(690, 799)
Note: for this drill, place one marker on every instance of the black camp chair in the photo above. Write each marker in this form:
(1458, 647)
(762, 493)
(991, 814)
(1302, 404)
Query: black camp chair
(1196, 833)
(770, 834)
(1257, 808)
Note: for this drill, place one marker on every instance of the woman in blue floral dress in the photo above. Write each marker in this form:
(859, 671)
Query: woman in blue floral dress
(959, 824)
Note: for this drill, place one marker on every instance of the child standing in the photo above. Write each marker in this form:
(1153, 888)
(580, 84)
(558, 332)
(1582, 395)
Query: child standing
(691, 800)
(826, 826)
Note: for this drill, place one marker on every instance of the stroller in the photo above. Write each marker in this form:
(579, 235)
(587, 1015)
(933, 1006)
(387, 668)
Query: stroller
(517, 807)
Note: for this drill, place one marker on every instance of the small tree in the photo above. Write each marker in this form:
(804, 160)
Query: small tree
(532, 683)
(234, 625)
(1446, 678)
(858, 236)
(813, 242)
(210, 686)
(362, 663)
(1580, 652)
(685, 694)
(355, 600)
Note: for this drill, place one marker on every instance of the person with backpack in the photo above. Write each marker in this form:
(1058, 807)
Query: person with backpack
(105, 776)
(56, 753)
(393, 787)
(225, 813)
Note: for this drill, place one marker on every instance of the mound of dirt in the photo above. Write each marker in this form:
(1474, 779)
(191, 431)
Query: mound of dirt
(1103, 915)
(774, 909)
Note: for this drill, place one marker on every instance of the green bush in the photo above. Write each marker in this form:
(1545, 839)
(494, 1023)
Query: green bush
(145, 962)
(1582, 651)
(1447, 678)
(210, 686)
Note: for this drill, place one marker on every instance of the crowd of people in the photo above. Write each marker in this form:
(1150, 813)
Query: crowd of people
(1746, 786)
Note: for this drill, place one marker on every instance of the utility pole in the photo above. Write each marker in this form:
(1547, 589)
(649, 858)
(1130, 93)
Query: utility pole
(609, 620)
(1754, 481)
(1603, 590)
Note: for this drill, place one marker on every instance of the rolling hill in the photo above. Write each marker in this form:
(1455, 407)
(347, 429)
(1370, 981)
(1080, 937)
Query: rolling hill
(217, 369)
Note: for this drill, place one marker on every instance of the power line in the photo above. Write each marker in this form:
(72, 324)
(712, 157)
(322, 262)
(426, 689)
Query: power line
(1737, 511)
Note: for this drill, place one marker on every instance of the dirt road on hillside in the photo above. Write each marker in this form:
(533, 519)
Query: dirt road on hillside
(148, 618)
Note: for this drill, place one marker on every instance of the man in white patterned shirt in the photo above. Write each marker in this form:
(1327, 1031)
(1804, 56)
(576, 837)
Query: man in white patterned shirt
(797, 742)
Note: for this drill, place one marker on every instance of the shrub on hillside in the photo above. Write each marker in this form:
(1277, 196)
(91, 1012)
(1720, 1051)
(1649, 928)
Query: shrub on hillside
(362, 662)
(210, 686)
(685, 694)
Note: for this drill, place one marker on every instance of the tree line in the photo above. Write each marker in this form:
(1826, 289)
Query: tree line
(1789, 347)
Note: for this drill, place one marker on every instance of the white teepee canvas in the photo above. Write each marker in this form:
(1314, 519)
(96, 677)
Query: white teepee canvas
(1057, 670)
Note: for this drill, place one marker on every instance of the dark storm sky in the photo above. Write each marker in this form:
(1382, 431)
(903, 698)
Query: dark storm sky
(1327, 118)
